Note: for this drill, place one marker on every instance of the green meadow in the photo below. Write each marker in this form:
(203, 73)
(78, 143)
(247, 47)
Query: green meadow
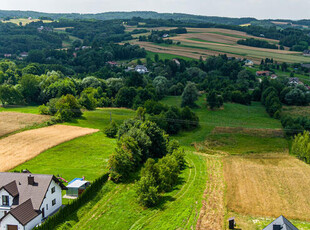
(231, 115)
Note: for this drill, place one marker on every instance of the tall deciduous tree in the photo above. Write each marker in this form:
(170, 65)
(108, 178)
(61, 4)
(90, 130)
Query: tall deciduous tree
(190, 95)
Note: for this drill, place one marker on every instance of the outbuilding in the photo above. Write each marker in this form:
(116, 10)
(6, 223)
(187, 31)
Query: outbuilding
(76, 187)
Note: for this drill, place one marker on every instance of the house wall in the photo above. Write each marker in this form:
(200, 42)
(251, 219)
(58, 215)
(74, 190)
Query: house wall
(3, 192)
(10, 220)
(34, 222)
(49, 197)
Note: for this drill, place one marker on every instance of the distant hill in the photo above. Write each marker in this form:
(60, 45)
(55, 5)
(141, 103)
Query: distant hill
(129, 15)
(153, 15)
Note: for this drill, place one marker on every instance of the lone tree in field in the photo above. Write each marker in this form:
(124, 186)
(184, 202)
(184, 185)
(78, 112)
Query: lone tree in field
(214, 100)
(190, 95)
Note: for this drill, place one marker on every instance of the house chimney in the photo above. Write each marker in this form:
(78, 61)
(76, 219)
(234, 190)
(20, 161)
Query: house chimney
(30, 180)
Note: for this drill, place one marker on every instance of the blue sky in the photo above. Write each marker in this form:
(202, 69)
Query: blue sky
(293, 9)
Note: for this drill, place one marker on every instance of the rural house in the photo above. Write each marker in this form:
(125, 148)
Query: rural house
(294, 81)
(248, 63)
(76, 187)
(24, 55)
(281, 223)
(307, 53)
(27, 199)
(141, 69)
(262, 73)
(165, 35)
(273, 77)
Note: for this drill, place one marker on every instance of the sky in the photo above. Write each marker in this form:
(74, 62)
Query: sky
(261, 9)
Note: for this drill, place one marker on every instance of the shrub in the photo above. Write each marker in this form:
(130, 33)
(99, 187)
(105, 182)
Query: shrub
(44, 110)
(147, 191)
(111, 129)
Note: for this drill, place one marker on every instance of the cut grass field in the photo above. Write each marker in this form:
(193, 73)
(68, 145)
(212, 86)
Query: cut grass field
(268, 185)
(21, 147)
(13, 121)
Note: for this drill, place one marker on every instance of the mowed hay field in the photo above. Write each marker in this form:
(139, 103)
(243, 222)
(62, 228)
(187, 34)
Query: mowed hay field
(203, 42)
(21, 147)
(268, 185)
(12, 121)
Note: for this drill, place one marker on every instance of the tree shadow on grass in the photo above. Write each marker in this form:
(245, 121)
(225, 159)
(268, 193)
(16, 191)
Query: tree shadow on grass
(76, 120)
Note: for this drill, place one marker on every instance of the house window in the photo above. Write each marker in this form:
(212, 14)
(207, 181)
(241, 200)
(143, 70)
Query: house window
(53, 190)
(5, 200)
(46, 207)
(53, 202)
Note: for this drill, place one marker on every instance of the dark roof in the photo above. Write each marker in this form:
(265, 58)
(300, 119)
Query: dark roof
(24, 212)
(35, 192)
(283, 222)
(11, 188)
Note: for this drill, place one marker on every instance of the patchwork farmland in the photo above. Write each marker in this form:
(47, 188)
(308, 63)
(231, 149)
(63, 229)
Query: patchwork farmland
(204, 42)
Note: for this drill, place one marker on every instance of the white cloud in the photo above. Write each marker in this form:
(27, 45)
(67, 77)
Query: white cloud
(294, 9)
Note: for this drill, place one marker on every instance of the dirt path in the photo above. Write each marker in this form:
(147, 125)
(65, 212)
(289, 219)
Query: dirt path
(21, 147)
(213, 210)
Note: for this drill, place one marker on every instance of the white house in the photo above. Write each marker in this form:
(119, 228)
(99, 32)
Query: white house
(141, 69)
(27, 199)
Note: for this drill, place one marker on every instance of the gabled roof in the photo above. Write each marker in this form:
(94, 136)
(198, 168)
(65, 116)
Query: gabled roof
(25, 212)
(283, 222)
(11, 188)
(35, 192)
